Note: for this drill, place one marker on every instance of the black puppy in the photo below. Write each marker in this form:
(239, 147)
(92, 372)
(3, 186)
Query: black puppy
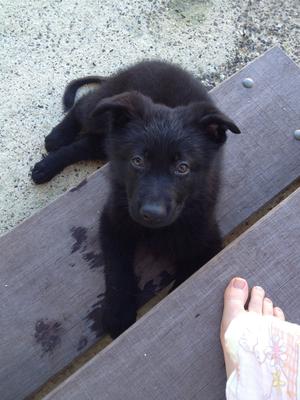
(163, 136)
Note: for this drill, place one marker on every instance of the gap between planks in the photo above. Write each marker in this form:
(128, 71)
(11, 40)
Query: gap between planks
(106, 340)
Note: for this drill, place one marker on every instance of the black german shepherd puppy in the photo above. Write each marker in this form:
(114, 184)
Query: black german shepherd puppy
(163, 136)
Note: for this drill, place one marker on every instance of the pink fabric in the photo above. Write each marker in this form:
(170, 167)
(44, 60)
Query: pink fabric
(267, 359)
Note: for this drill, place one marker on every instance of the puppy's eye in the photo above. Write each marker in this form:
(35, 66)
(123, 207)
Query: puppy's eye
(137, 162)
(182, 168)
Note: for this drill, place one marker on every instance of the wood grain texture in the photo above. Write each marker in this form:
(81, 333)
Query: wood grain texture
(265, 157)
(51, 265)
(173, 352)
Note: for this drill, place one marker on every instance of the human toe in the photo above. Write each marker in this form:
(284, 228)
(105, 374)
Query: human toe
(256, 300)
(235, 297)
(267, 306)
(278, 313)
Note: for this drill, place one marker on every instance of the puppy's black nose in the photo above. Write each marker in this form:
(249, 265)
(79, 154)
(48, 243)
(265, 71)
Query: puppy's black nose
(153, 212)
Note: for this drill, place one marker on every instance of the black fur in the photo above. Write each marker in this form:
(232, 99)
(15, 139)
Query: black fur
(163, 136)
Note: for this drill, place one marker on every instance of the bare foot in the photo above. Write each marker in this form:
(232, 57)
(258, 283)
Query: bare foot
(235, 297)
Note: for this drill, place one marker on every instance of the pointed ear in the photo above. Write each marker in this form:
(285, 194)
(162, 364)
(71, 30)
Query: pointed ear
(122, 108)
(212, 121)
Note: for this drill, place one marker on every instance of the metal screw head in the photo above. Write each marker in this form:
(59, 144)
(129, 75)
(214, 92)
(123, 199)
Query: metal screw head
(297, 134)
(248, 83)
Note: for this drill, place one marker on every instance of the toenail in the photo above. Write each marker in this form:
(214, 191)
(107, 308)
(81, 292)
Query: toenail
(268, 300)
(239, 283)
(259, 288)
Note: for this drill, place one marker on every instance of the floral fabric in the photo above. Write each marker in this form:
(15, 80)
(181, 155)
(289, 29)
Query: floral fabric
(266, 352)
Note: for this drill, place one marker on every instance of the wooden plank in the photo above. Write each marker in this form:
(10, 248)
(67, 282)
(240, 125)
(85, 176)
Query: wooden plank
(174, 351)
(51, 269)
(254, 164)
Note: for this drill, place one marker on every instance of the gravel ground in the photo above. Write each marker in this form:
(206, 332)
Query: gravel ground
(45, 44)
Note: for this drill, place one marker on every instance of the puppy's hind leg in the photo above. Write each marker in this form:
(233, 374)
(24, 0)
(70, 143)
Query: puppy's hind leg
(88, 147)
(64, 133)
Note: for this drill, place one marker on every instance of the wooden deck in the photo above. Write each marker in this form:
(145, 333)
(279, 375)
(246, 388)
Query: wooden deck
(173, 352)
(51, 266)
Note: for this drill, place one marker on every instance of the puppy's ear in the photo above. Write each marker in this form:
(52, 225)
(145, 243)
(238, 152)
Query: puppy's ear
(212, 121)
(121, 108)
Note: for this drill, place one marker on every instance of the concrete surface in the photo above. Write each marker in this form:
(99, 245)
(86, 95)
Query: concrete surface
(44, 44)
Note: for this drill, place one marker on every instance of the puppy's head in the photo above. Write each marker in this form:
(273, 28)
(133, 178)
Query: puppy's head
(162, 156)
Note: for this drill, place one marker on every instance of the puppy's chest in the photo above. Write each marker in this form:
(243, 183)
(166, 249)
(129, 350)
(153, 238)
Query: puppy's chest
(156, 255)
(160, 244)
(163, 247)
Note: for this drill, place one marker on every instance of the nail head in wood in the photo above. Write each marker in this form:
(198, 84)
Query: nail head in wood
(297, 134)
(248, 83)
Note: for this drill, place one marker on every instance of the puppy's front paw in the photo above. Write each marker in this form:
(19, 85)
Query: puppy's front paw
(118, 315)
(43, 171)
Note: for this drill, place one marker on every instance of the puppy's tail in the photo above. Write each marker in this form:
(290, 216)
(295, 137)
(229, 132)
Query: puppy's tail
(73, 86)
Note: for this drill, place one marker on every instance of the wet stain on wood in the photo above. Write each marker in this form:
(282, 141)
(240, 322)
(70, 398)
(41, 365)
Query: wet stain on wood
(95, 316)
(83, 341)
(95, 260)
(79, 234)
(48, 335)
(99, 303)
(78, 187)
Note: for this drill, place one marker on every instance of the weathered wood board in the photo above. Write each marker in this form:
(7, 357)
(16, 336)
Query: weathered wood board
(173, 352)
(51, 276)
